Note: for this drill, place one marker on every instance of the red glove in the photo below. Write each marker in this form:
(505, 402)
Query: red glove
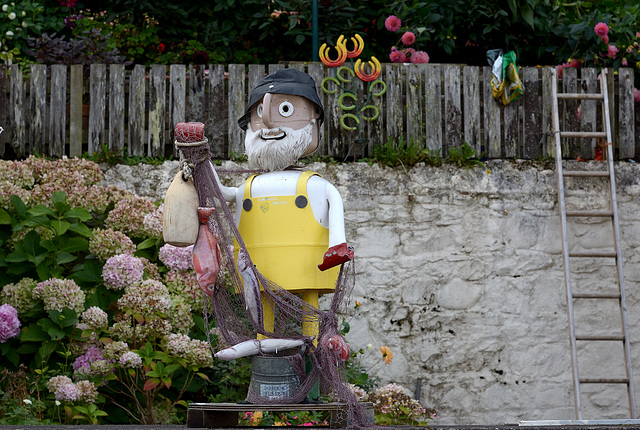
(336, 255)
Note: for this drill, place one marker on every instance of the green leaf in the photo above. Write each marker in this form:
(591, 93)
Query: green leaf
(81, 229)
(21, 208)
(60, 226)
(78, 213)
(147, 243)
(43, 271)
(34, 221)
(41, 210)
(5, 218)
(59, 199)
(74, 244)
(64, 257)
(151, 384)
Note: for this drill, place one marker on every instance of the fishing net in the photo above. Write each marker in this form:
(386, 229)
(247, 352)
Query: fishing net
(229, 303)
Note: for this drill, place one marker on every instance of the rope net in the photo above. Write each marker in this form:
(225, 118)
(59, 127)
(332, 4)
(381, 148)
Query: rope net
(237, 318)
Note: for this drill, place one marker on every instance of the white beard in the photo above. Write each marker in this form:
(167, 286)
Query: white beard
(273, 154)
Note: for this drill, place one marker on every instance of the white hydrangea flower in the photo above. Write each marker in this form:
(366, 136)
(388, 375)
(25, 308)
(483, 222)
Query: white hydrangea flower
(12, 16)
(9, 33)
(5, 7)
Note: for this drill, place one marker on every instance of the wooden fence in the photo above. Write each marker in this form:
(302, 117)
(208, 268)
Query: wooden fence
(59, 110)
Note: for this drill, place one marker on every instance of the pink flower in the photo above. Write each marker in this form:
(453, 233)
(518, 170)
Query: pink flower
(408, 38)
(612, 51)
(419, 57)
(397, 56)
(392, 23)
(605, 39)
(636, 95)
(9, 323)
(573, 63)
(624, 62)
(601, 29)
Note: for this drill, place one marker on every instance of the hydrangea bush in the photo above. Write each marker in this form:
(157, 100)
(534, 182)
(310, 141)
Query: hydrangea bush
(103, 314)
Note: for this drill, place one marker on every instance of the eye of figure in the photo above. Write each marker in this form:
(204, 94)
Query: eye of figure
(259, 110)
(286, 109)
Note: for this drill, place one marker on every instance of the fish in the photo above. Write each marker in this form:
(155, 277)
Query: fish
(255, 346)
(338, 345)
(206, 254)
(243, 349)
(251, 289)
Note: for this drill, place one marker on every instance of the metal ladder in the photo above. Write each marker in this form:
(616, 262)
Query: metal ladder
(612, 213)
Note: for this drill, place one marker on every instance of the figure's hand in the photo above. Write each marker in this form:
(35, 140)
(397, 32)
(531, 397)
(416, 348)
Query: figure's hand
(336, 255)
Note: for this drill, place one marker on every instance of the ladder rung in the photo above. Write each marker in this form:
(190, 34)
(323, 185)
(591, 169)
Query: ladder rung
(585, 173)
(588, 134)
(600, 338)
(590, 213)
(604, 381)
(610, 254)
(581, 96)
(596, 296)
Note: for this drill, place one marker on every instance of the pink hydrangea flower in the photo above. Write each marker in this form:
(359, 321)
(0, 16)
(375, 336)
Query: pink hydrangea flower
(408, 38)
(392, 23)
(419, 57)
(397, 56)
(636, 95)
(601, 29)
(612, 51)
(177, 258)
(9, 323)
(605, 39)
(121, 271)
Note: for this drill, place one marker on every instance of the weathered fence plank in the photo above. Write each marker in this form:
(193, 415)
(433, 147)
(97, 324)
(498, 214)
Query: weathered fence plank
(58, 109)
(532, 114)
(440, 106)
(75, 110)
(452, 108)
(588, 110)
(157, 108)
(471, 107)
(237, 106)
(414, 123)
(547, 122)
(492, 114)
(195, 111)
(4, 117)
(17, 112)
(116, 107)
(177, 98)
(433, 108)
(97, 94)
(136, 111)
(216, 123)
(625, 116)
(38, 108)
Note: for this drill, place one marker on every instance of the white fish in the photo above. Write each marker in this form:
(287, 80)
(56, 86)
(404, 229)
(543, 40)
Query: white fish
(255, 346)
(243, 349)
(251, 288)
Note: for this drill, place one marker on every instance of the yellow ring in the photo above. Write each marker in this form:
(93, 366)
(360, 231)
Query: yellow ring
(341, 99)
(345, 126)
(373, 118)
(381, 92)
(324, 88)
(349, 72)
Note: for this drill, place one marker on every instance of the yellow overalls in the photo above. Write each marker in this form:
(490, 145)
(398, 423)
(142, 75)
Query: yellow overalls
(286, 243)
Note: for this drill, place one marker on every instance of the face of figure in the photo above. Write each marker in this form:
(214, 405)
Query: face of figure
(283, 128)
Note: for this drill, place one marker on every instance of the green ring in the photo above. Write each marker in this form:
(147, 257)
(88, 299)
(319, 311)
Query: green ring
(350, 72)
(373, 118)
(345, 126)
(341, 99)
(378, 94)
(324, 88)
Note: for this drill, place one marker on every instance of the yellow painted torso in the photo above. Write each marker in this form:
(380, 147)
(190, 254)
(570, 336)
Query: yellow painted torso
(285, 241)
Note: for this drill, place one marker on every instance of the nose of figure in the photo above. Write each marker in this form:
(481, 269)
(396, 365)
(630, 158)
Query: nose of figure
(267, 118)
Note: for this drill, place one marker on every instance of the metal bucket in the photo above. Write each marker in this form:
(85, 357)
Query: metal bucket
(273, 378)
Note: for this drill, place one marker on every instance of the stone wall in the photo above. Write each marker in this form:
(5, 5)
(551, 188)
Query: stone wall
(460, 273)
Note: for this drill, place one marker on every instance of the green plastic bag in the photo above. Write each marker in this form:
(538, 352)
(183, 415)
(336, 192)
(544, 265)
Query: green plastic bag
(505, 83)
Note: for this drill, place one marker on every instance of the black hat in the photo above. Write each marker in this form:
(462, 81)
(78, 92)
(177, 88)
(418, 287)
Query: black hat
(285, 81)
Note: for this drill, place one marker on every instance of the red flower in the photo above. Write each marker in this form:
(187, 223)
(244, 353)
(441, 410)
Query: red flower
(408, 38)
(397, 56)
(601, 29)
(392, 23)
